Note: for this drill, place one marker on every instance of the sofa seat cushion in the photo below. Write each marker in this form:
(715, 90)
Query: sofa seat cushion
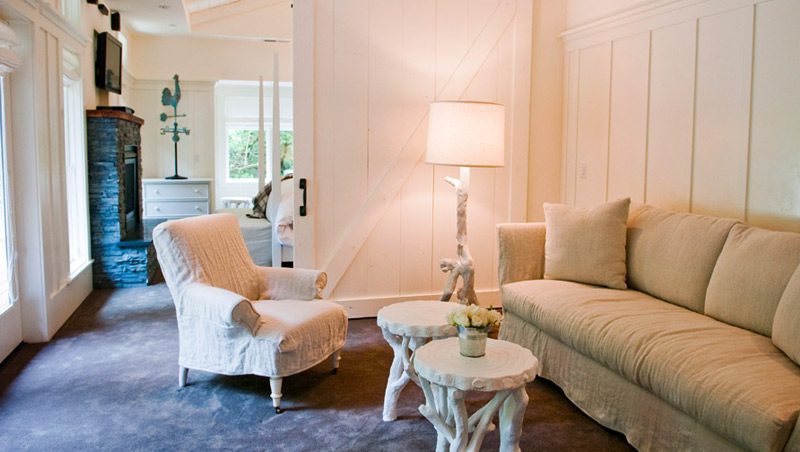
(300, 326)
(733, 381)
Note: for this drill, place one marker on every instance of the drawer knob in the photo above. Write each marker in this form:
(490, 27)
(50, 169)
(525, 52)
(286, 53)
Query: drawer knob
(158, 192)
(197, 190)
(158, 209)
(197, 208)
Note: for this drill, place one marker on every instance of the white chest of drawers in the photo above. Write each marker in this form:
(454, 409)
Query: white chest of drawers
(165, 198)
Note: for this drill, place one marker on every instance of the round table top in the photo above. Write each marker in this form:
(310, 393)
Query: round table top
(504, 366)
(418, 319)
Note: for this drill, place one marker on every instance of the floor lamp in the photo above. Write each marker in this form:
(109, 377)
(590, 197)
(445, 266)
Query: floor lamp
(464, 134)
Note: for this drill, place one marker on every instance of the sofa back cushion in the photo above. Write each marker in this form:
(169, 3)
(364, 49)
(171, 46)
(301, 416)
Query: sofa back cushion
(786, 325)
(750, 276)
(672, 255)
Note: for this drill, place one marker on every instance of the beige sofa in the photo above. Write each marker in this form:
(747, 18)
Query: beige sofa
(700, 353)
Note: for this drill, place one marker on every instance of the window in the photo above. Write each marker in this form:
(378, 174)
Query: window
(236, 147)
(75, 150)
(5, 300)
(71, 9)
(242, 153)
(287, 151)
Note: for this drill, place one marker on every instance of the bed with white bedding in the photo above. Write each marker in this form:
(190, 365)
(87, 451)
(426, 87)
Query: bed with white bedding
(257, 232)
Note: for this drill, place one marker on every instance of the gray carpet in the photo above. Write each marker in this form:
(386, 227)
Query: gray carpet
(108, 381)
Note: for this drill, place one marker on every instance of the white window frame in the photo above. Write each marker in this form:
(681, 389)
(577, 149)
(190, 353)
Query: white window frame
(238, 125)
(10, 310)
(225, 186)
(6, 299)
(76, 173)
(71, 10)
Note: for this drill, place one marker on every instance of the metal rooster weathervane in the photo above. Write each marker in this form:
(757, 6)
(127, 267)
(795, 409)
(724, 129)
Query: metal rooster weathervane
(170, 99)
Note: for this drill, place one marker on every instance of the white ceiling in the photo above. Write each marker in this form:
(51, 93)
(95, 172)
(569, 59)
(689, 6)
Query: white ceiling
(237, 19)
(194, 6)
(160, 17)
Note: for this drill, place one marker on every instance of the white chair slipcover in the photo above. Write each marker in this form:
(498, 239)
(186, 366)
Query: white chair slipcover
(237, 318)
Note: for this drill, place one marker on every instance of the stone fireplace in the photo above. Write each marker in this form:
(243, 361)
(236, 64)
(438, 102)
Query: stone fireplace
(123, 257)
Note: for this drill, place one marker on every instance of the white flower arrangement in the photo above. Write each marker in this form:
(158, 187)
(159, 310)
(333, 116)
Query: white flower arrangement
(474, 316)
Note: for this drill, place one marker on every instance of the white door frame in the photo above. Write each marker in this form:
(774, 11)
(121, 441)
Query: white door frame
(10, 316)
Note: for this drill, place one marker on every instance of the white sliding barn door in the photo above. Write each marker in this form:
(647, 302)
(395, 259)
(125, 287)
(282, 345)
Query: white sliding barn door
(379, 218)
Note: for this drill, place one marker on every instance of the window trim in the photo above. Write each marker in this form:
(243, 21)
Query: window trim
(76, 264)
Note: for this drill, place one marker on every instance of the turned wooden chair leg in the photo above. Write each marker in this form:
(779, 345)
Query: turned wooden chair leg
(183, 374)
(335, 358)
(275, 384)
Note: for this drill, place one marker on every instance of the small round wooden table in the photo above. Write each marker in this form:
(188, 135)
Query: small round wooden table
(407, 326)
(446, 377)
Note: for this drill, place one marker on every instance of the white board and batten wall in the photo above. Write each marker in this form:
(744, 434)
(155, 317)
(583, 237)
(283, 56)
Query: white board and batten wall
(691, 105)
(380, 218)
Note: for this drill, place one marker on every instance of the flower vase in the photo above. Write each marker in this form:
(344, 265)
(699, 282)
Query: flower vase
(472, 341)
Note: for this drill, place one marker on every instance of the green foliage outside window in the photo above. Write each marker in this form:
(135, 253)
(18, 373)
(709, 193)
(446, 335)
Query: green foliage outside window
(287, 151)
(243, 153)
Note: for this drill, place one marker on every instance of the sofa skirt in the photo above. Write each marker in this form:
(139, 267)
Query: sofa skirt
(649, 423)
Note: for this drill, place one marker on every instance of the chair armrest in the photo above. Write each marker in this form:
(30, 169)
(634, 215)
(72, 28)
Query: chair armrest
(291, 283)
(219, 306)
(521, 249)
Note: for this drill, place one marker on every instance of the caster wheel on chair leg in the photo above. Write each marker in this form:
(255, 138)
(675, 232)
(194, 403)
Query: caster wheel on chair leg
(275, 384)
(334, 371)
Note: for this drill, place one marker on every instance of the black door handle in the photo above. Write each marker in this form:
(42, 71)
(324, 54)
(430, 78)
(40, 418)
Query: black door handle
(302, 185)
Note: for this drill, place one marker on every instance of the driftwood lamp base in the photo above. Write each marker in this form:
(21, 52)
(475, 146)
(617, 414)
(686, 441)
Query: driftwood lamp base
(462, 266)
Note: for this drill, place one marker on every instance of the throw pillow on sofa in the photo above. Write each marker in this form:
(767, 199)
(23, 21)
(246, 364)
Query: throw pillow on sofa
(587, 245)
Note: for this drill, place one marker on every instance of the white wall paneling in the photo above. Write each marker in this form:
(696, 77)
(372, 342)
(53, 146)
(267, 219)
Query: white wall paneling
(572, 64)
(382, 218)
(627, 139)
(671, 116)
(722, 113)
(773, 196)
(689, 105)
(594, 86)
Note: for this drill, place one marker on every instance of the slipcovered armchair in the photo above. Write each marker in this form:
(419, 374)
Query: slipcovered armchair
(237, 318)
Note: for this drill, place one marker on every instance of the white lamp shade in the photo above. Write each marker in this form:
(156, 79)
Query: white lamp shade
(466, 134)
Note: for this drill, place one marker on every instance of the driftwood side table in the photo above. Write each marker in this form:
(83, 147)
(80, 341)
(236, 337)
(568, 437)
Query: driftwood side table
(446, 377)
(407, 326)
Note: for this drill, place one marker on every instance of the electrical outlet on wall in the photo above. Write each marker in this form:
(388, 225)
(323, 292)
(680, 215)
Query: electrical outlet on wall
(583, 170)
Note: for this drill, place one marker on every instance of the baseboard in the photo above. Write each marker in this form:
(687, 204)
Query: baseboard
(358, 308)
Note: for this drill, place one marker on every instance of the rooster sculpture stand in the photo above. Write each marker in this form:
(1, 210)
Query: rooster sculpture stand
(168, 99)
